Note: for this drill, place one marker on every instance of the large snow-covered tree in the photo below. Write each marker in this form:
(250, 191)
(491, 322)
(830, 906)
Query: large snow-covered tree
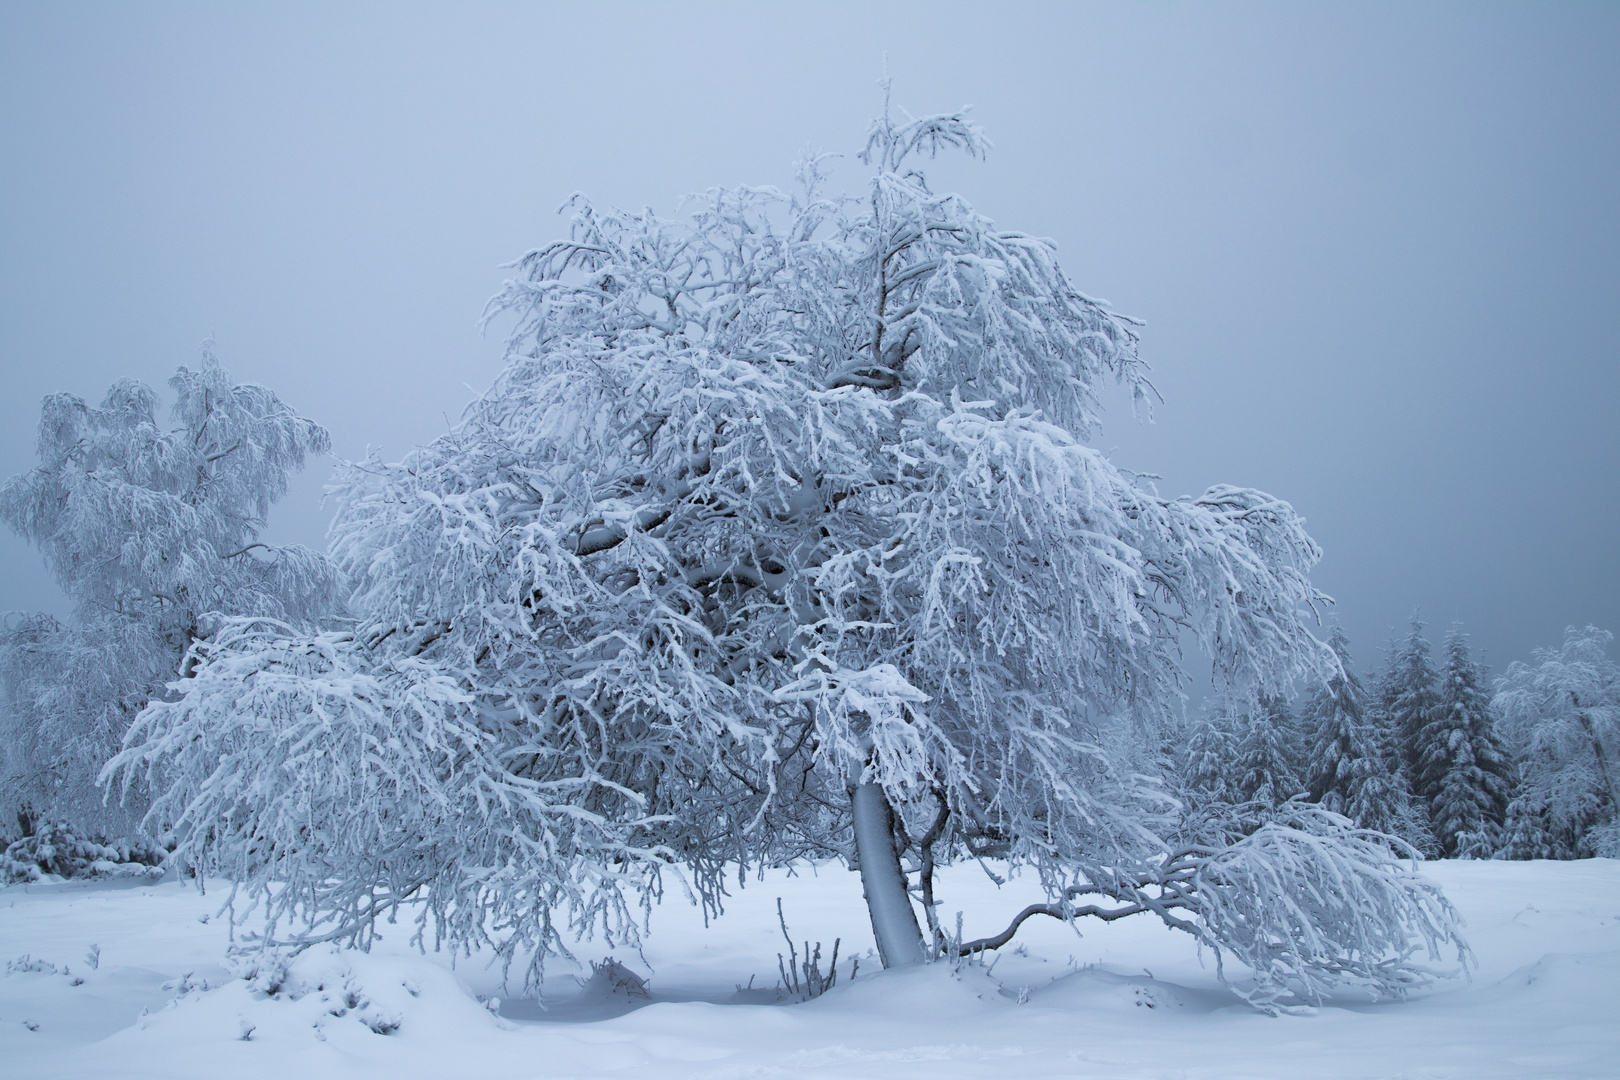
(148, 529)
(1463, 761)
(1561, 716)
(780, 534)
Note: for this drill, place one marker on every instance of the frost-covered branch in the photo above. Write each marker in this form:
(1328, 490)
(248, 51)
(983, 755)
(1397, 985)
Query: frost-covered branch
(1306, 904)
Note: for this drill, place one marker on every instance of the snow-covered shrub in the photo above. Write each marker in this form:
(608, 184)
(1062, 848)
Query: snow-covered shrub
(57, 850)
(613, 981)
(321, 986)
(801, 977)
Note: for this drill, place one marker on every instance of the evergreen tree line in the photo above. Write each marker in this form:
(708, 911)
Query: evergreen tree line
(1432, 752)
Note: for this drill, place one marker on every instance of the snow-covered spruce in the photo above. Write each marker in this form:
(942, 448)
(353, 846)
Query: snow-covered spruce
(1349, 771)
(148, 530)
(1403, 698)
(1236, 752)
(1208, 759)
(1408, 695)
(1464, 762)
(778, 535)
(1266, 752)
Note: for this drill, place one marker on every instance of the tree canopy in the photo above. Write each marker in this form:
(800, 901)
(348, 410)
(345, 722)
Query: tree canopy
(778, 535)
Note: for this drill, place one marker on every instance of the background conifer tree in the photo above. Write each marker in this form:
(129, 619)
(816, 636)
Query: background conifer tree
(1265, 754)
(1463, 762)
(1385, 724)
(1531, 833)
(1338, 737)
(1347, 771)
(1409, 692)
(1210, 759)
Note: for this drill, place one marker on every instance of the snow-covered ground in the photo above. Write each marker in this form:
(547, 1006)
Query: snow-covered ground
(1127, 1000)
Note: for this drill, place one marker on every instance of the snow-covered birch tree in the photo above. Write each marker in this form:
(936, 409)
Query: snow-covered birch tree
(781, 534)
(148, 529)
(1561, 716)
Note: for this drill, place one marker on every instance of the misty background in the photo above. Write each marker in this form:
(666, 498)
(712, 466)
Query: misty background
(1375, 245)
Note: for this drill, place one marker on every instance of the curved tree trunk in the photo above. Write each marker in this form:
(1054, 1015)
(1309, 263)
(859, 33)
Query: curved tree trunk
(894, 923)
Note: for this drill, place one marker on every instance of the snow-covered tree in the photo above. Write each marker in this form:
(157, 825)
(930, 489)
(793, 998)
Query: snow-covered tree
(1238, 758)
(1531, 833)
(1408, 693)
(1403, 694)
(1463, 762)
(1266, 753)
(1348, 772)
(1341, 752)
(148, 529)
(1209, 755)
(1561, 716)
(779, 534)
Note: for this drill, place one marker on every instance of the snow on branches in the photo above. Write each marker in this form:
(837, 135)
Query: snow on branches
(777, 535)
(148, 530)
(356, 784)
(1311, 905)
(1562, 715)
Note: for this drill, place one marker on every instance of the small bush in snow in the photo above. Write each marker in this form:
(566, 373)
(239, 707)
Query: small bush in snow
(55, 850)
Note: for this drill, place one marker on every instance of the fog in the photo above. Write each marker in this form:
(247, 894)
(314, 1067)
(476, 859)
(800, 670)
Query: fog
(1375, 246)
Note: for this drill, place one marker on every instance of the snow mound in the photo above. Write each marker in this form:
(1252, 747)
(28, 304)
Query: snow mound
(1128, 999)
(322, 994)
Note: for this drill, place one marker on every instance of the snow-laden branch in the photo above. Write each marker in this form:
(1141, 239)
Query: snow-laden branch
(1307, 905)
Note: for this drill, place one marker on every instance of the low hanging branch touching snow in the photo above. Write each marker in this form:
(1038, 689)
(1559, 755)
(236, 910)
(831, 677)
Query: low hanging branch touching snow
(1309, 904)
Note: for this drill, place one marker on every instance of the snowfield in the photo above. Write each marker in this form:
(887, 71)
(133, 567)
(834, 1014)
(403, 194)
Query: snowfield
(133, 981)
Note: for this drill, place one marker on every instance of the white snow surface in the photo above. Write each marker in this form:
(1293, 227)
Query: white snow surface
(1130, 999)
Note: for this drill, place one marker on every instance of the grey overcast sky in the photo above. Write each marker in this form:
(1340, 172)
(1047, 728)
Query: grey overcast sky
(1377, 246)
